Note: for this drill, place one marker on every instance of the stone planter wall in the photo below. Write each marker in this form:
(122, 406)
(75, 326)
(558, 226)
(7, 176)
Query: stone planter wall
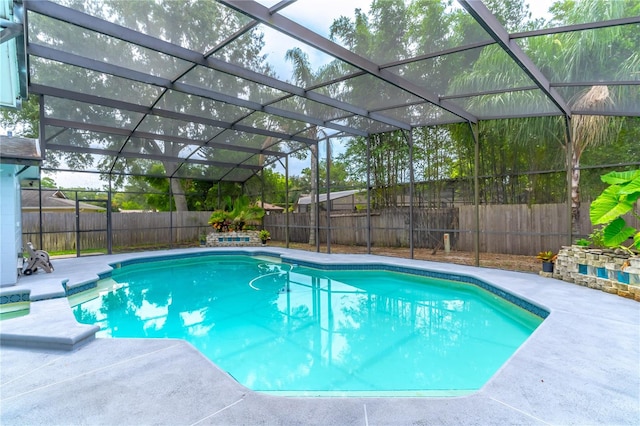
(606, 270)
(233, 239)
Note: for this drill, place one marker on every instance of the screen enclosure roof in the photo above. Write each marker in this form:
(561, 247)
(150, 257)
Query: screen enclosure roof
(216, 90)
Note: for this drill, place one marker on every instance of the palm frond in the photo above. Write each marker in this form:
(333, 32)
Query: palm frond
(591, 130)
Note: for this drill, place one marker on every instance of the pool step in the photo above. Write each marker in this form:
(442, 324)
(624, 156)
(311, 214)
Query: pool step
(50, 324)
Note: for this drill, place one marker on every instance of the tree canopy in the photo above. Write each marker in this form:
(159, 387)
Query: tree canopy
(522, 160)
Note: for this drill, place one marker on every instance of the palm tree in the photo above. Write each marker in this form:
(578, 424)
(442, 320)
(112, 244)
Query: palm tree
(587, 131)
(305, 76)
(566, 57)
(588, 55)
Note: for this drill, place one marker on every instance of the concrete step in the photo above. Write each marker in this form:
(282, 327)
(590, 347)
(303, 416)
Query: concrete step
(50, 324)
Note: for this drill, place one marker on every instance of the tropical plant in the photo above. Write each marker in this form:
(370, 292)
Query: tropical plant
(220, 220)
(561, 57)
(618, 199)
(264, 235)
(236, 215)
(305, 75)
(587, 54)
(546, 256)
(244, 213)
(597, 238)
(587, 131)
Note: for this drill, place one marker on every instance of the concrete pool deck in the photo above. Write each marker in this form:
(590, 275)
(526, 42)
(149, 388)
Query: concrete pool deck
(581, 366)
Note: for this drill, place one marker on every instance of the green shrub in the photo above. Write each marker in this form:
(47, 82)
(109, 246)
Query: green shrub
(583, 242)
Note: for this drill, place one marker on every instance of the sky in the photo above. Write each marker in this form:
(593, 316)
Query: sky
(314, 15)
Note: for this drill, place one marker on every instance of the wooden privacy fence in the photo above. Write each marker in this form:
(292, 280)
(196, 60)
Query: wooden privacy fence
(514, 229)
(524, 229)
(128, 229)
(389, 228)
(276, 224)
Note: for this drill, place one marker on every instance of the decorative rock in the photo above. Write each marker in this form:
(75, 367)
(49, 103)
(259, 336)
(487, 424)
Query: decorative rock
(568, 278)
(599, 269)
(604, 283)
(621, 287)
(625, 294)
(233, 239)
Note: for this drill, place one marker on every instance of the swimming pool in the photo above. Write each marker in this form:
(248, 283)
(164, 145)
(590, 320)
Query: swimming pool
(294, 330)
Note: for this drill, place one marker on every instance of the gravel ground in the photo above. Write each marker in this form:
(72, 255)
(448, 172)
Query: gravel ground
(507, 262)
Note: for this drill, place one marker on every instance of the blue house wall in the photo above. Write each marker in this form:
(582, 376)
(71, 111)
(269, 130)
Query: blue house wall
(11, 220)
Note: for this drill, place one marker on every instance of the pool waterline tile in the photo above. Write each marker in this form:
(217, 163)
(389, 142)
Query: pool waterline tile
(534, 309)
(518, 301)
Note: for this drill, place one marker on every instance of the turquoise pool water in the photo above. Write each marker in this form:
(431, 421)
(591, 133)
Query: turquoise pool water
(286, 329)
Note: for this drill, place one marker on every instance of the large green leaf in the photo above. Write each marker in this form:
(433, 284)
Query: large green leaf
(617, 232)
(616, 178)
(631, 187)
(636, 240)
(608, 206)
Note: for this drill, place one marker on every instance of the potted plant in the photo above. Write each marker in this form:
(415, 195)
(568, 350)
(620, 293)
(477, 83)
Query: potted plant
(547, 258)
(203, 239)
(264, 236)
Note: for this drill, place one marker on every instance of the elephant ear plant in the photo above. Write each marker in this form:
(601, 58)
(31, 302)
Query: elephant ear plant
(617, 200)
